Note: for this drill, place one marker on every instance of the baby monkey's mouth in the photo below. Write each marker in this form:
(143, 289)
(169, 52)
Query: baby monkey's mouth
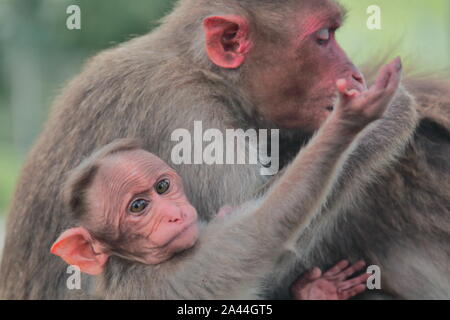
(183, 231)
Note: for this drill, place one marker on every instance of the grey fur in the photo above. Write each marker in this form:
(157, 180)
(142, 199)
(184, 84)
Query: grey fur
(162, 81)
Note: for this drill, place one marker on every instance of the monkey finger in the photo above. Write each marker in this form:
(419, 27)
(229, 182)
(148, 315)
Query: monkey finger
(359, 265)
(353, 282)
(395, 68)
(306, 278)
(396, 77)
(353, 93)
(313, 274)
(382, 79)
(337, 268)
(385, 74)
(342, 86)
(374, 94)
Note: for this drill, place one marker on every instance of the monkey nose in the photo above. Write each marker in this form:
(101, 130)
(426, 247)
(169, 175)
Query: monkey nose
(173, 214)
(174, 220)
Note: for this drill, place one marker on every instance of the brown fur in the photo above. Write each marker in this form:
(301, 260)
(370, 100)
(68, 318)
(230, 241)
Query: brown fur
(162, 81)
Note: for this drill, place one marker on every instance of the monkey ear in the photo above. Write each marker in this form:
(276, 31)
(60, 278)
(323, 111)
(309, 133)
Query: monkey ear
(75, 246)
(227, 40)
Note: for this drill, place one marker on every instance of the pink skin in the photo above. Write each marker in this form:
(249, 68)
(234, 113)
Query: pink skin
(167, 225)
(297, 86)
(169, 221)
(303, 82)
(369, 101)
(227, 40)
(314, 19)
(331, 285)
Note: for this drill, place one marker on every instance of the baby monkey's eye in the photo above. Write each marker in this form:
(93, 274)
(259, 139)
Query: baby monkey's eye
(138, 206)
(162, 186)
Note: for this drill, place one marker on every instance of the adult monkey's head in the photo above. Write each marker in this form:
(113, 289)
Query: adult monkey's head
(283, 54)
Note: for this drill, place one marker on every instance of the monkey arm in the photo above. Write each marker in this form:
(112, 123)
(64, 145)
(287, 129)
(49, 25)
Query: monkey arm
(375, 149)
(234, 255)
(378, 147)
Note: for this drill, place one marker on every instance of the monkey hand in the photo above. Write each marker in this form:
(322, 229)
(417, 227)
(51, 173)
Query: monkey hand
(357, 109)
(331, 285)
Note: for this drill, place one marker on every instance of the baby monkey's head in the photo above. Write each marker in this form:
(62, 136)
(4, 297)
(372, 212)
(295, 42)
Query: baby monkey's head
(129, 203)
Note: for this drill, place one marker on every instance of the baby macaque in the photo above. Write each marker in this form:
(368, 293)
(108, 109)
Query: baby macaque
(136, 209)
(133, 213)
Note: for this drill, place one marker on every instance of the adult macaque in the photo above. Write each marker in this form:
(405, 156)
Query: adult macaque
(130, 204)
(247, 64)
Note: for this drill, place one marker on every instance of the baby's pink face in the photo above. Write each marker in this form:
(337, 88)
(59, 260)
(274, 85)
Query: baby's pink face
(143, 199)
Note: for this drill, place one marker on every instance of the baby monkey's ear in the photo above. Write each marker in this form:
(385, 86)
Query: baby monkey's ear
(76, 247)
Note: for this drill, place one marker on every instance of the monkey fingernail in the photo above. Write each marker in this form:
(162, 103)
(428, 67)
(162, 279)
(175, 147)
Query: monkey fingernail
(353, 93)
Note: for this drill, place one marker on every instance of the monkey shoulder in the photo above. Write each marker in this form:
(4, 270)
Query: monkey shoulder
(426, 158)
(419, 181)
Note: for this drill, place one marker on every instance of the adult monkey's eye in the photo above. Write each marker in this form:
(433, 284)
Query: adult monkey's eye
(162, 186)
(323, 35)
(138, 206)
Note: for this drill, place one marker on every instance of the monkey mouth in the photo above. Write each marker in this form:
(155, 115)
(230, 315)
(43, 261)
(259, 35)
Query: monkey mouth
(188, 227)
(329, 108)
(182, 232)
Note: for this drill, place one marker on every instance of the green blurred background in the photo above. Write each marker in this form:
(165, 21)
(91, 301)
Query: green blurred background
(38, 54)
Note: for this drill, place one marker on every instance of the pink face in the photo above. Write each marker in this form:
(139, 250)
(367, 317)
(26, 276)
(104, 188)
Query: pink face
(143, 198)
(291, 83)
(297, 86)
